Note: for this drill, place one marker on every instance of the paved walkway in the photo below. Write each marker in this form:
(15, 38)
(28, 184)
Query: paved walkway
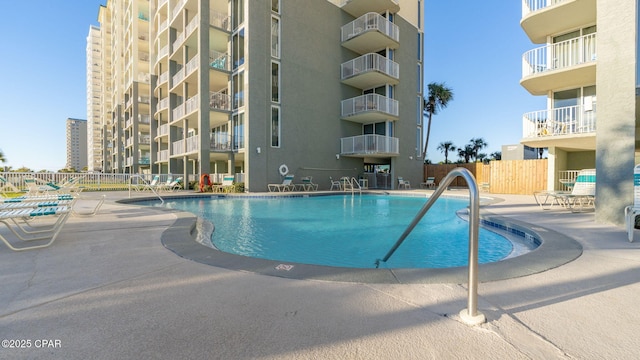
(108, 289)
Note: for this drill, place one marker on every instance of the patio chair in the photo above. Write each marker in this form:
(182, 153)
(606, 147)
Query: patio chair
(430, 183)
(175, 184)
(21, 222)
(335, 184)
(164, 186)
(403, 184)
(285, 186)
(153, 185)
(580, 198)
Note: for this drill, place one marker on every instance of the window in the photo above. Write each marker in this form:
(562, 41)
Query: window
(275, 37)
(238, 90)
(238, 131)
(275, 6)
(238, 13)
(275, 126)
(419, 114)
(275, 82)
(238, 49)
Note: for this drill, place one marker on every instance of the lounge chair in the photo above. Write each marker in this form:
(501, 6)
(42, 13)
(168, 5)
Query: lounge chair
(580, 198)
(21, 223)
(307, 184)
(38, 187)
(153, 185)
(430, 183)
(164, 186)
(285, 186)
(403, 184)
(175, 184)
(226, 186)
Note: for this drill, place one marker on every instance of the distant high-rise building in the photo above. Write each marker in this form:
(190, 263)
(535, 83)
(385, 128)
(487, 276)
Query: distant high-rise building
(76, 144)
(95, 149)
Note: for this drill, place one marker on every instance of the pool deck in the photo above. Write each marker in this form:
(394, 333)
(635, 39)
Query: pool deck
(109, 289)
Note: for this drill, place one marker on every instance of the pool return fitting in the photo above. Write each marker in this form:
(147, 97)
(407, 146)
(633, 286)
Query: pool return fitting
(470, 315)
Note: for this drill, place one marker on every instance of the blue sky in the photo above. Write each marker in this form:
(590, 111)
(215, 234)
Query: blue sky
(475, 49)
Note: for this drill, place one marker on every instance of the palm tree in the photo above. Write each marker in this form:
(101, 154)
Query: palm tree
(446, 147)
(477, 145)
(466, 153)
(2, 159)
(437, 99)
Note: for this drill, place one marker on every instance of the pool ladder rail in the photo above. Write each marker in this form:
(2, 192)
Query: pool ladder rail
(352, 185)
(470, 316)
(147, 185)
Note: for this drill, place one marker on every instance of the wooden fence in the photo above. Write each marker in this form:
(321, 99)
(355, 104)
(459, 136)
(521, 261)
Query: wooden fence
(498, 177)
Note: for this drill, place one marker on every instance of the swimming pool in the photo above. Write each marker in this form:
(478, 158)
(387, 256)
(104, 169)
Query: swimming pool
(343, 230)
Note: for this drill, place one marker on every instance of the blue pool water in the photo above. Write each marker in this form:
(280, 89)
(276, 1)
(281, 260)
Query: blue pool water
(343, 230)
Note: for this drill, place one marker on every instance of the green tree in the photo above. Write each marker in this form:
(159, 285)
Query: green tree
(466, 153)
(477, 144)
(438, 98)
(497, 155)
(446, 147)
(2, 158)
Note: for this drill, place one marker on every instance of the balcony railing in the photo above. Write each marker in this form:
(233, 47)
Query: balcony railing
(184, 146)
(370, 62)
(561, 55)
(163, 104)
(367, 103)
(219, 101)
(369, 144)
(220, 142)
(218, 60)
(220, 20)
(570, 120)
(192, 65)
(535, 5)
(163, 155)
(370, 22)
(144, 118)
(178, 77)
(191, 104)
(163, 130)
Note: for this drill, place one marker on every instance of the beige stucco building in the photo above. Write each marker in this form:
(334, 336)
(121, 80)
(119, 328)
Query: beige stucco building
(254, 88)
(586, 67)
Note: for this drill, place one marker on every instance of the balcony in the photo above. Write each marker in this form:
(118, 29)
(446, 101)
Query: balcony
(571, 63)
(185, 146)
(569, 127)
(370, 70)
(163, 155)
(370, 33)
(220, 142)
(370, 145)
(369, 108)
(163, 130)
(359, 7)
(544, 17)
(219, 20)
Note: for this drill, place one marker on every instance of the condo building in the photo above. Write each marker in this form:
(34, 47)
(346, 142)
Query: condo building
(76, 130)
(586, 66)
(258, 89)
(94, 99)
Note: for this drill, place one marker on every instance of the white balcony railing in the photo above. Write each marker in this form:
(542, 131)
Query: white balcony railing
(144, 118)
(178, 77)
(219, 60)
(184, 146)
(163, 155)
(178, 112)
(164, 51)
(192, 65)
(560, 55)
(176, 9)
(570, 120)
(179, 39)
(163, 25)
(164, 77)
(191, 105)
(192, 25)
(370, 62)
(369, 102)
(220, 142)
(219, 20)
(163, 130)
(163, 104)
(219, 101)
(369, 144)
(370, 22)
(529, 6)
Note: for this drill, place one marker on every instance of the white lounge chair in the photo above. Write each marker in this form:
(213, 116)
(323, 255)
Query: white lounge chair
(430, 183)
(403, 184)
(7, 187)
(226, 186)
(285, 186)
(21, 223)
(335, 184)
(580, 198)
(307, 184)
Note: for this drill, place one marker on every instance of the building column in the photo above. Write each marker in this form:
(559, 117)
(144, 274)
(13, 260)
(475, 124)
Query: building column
(616, 123)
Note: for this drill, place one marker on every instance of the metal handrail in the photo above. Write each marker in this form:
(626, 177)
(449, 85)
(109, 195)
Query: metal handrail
(470, 315)
(148, 185)
(353, 182)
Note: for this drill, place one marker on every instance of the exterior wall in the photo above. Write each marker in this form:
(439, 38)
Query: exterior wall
(615, 138)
